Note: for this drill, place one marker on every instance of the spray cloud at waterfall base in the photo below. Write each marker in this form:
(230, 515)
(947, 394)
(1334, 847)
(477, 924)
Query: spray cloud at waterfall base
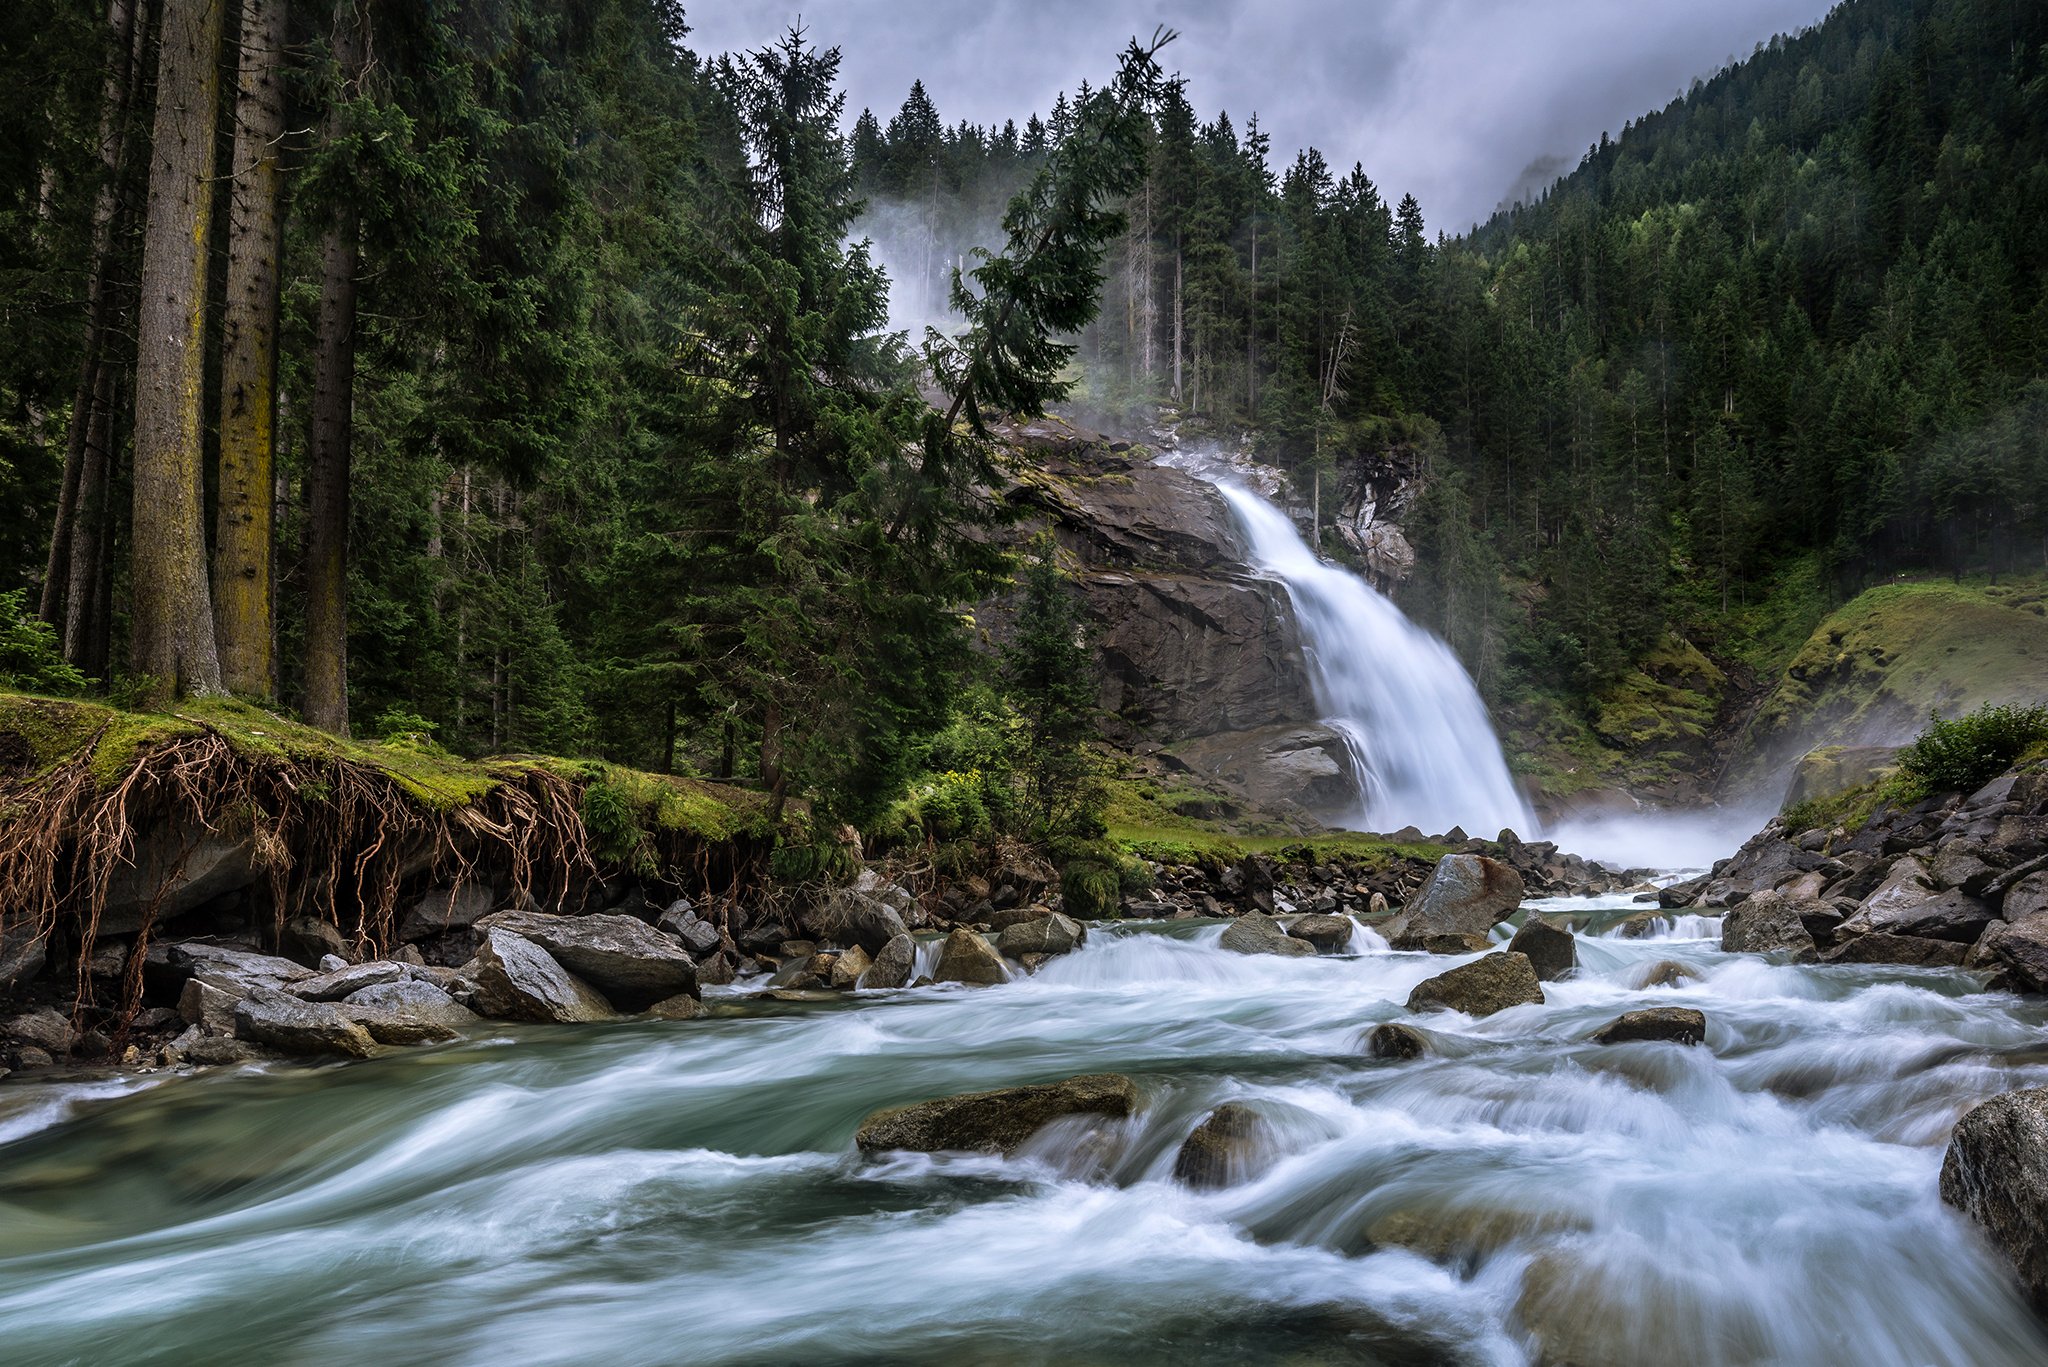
(1421, 742)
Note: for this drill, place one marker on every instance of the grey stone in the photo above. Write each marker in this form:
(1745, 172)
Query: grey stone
(1329, 934)
(967, 958)
(1223, 1150)
(680, 1008)
(338, 983)
(440, 910)
(1551, 948)
(201, 1003)
(627, 960)
(1052, 934)
(236, 971)
(1466, 895)
(1656, 1024)
(850, 917)
(1394, 1040)
(1952, 915)
(847, 968)
(997, 1121)
(518, 980)
(1768, 924)
(308, 939)
(1906, 950)
(1481, 988)
(1257, 933)
(22, 952)
(411, 999)
(894, 965)
(1996, 1173)
(269, 1016)
(45, 1028)
(2027, 897)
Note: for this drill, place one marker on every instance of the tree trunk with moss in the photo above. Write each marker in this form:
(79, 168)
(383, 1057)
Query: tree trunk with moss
(242, 555)
(173, 641)
(334, 368)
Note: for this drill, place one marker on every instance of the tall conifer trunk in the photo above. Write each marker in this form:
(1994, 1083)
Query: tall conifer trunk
(243, 553)
(334, 370)
(173, 640)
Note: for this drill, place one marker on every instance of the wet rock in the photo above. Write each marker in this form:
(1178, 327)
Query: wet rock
(996, 1121)
(199, 1048)
(1660, 1024)
(679, 1008)
(850, 917)
(847, 968)
(1053, 934)
(1016, 916)
(43, 1028)
(518, 980)
(425, 1009)
(2026, 897)
(334, 985)
(717, 971)
(1640, 925)
(1481, 988)
(202, 1004)
(33, 1056)
(1278, 767)
(1222, 1150)
(967, 958)
(1996, 1173)
(1396, 1041)
(1257, 933)
(1905, 950)
(1549, 947)
(235, 971)
(1953, 915)
(1466, 894)
(440, 910)
(308, 940)
(1766, 925)
(630, 962)
(1446, 944)
(1665, 973)
(397, 1027)
(269, 1016)
(1329, 934)
(893, 966)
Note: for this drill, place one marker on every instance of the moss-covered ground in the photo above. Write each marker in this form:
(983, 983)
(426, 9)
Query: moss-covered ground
(1173, 819)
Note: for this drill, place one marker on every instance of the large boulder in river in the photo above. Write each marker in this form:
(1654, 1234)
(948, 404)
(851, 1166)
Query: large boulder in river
(1996, 1172)
(1329, 934)
(1480, 988)
(1466, 895)
(1769, 924)
(1256, 933)
(893, 966)
(1953, 915)
(1658, 1024)
(2021, 947)
(408, 1006)
(1050, 934)
(630, 962)
(1551, 948)
(1223, 1149)
(967, 958)
(268, 1016)
(1393, 1040)
(848, 916)
(518, 980)
(997, 1121)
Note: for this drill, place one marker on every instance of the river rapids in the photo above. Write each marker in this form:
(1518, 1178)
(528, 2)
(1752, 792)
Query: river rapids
(690, 1193)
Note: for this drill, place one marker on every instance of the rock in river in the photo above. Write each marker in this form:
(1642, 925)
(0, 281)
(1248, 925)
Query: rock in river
(1222, 1149)
(1481, 988)
(630, 962)
(967, 958)
(1329, 934)
(517, 979)
(1996, 1172)
(1467, 894)
(894, 965)
(1768, 923)
(268, 1016)
(1550, 948)
(1663, 1024)
(1395, 1041)
(1051, 934)
(1257, 933)
(997, 1121)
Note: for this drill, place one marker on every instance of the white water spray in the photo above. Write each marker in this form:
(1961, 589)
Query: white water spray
(1422, 743)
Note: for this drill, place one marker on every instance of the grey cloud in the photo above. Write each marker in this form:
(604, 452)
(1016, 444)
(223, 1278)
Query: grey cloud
(1456, 101)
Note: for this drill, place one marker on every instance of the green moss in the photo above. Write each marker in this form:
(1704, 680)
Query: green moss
(1091, 889)
(1181, 846)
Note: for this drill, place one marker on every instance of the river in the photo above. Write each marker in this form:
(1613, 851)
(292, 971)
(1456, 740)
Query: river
(689, 1192)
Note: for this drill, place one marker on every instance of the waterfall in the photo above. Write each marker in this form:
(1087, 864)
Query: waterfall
(1420, 738)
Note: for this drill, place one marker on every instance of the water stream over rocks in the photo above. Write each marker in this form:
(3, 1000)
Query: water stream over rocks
(689, 1192)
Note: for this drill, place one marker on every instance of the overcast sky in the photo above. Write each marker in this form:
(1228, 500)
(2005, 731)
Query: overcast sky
(1450, 100)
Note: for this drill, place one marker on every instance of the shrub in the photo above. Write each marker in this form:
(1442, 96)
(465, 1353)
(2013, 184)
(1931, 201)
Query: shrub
(1091, 888)
(30, 661)
(1963, 754)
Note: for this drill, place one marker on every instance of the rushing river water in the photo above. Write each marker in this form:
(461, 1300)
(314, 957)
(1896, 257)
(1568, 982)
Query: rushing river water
(689, 1193)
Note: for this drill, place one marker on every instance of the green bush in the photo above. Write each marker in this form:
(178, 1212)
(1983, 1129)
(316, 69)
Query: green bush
(30, 661)
(1963, 754)
(1092, 889)
(613, 825)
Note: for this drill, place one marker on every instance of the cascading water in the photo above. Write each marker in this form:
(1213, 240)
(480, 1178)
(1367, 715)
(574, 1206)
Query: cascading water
(1421, 740)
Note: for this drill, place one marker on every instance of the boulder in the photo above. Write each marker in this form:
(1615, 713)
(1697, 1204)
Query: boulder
(997, 1121)
(1665, 973)
(44, 1028)
(850, 917)
(1906, 884)
(269, 1016)
(339, 983)
(967, 958)
(1280, 767)
(1467, 894)
(1257, 933)
(2026, 897)
(308, 940)
(1961, 864)
(1222, 1149)
(423, 1004)
(846, 970)
(518, 980)
(398, 1027)
(1053, 934)
(1659, 1024)
(1952, 915)
(1996, 1173)
(235, 971)
(697, 936)
(1480, 988)
(1396, 1041)
(1329, 934)
(1907, 950)
(201, 1003)
(893, 966)
(680, 1008)
(1551, 948)
(1766, 925)
(1640, 925)
(630, 962)
(2021, 948)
